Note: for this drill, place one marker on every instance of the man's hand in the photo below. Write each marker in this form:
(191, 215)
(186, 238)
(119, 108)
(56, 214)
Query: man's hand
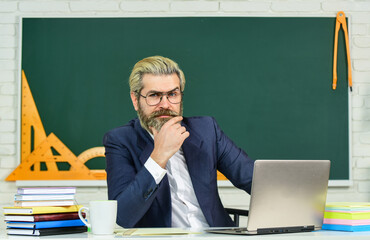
(168, 140)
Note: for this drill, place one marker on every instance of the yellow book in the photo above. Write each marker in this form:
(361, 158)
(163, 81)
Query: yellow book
(348, 205)
(40, 210)
(347, 215)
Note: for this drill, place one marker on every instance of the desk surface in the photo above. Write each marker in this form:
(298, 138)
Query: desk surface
(337, 235)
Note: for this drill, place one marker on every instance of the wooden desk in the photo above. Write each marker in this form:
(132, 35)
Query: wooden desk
(322, 235)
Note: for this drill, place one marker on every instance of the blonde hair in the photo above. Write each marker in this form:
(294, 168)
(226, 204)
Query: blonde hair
(156, 65)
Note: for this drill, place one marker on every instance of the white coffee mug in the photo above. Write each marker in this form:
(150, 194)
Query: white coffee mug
(102, 216)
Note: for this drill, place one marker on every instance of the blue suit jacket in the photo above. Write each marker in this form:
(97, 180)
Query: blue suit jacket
(143, 203)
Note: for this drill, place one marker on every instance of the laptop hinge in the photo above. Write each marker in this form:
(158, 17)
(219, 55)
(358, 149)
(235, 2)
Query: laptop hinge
(285, 229)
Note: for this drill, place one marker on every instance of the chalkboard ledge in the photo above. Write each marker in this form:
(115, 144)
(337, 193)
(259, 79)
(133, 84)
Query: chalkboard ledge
(332, 183)
(82, 183)
(103, 183)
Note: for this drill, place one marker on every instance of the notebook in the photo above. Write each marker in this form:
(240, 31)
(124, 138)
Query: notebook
(287, 196)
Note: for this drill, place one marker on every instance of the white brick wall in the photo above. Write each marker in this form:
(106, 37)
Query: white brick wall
(7, 6)
(91, 6)
(359, 29)
(145, 6)
(362, 65)
(7, 89)
(295, 6)
(7, 29)
(6, 101)
(363, 42)
(194, 6)
(363, 163)
(44, 6)
(358, 11)
(243, 6)
(347, 6)
(7, 113)
(7, 76)
(365, 89)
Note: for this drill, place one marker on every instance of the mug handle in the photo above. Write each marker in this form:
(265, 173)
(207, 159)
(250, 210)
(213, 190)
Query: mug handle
(82, 218)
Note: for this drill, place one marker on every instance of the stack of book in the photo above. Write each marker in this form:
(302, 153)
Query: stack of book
(44, 211)
(33, 197)
(347, 216)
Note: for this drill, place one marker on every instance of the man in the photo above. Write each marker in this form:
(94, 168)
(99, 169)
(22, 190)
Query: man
(162, 167)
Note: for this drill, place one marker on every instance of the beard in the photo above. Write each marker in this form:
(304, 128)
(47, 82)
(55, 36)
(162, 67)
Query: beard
(152, 120)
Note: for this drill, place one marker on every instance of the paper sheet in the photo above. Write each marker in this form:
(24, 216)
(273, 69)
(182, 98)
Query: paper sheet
(152, 231)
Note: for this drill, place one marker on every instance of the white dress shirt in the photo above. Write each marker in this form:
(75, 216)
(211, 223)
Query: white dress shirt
(186, 211)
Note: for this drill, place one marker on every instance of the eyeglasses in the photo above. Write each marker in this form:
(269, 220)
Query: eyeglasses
(154, 98)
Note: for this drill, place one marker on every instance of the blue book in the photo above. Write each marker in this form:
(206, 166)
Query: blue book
(347, 228)
(46, 224)
(358, 209)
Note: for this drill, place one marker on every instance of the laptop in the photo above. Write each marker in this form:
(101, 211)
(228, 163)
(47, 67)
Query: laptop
(287, 196)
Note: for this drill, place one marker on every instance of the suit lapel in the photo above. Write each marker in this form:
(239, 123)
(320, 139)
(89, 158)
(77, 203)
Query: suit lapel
(146, 144)
(199, 170)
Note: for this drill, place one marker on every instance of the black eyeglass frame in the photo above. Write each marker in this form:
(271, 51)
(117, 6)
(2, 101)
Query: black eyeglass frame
(162, 94)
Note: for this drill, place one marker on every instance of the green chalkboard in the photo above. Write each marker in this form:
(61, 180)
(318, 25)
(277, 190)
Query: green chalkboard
(267, 81)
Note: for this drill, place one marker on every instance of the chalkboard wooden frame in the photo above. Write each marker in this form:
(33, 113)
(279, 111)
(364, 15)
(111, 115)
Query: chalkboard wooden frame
(186, 64)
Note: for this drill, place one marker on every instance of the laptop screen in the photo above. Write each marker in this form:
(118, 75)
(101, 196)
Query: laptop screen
(288, 194)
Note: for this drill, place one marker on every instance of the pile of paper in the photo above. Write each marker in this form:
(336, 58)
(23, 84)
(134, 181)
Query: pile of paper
(44, 211)
(347, 216)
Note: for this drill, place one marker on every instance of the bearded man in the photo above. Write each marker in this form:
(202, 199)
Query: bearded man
(162, 167)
